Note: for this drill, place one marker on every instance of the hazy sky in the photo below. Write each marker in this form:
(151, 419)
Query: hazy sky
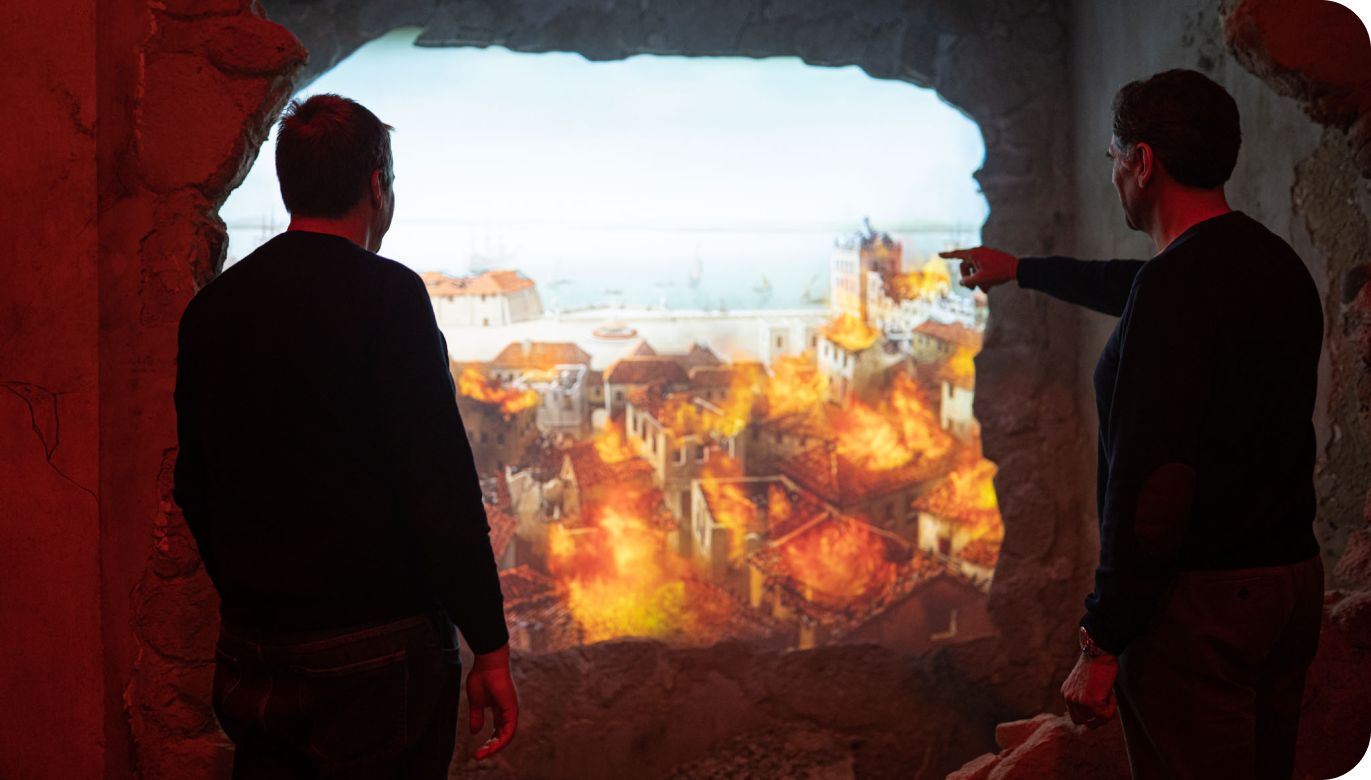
(491, 137)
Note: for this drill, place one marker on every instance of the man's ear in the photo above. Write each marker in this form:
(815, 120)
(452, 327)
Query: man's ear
(1146, 163)
(378, 189)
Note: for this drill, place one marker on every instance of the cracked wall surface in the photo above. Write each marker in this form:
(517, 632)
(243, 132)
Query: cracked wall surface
(53, 681)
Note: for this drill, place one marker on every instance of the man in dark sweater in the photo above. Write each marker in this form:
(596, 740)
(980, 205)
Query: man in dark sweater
(1208, 593)
(326, 476)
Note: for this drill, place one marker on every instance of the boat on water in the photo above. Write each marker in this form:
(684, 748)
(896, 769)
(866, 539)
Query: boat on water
(696, 271)
(809, 296)
(764, 288)
(614, 330)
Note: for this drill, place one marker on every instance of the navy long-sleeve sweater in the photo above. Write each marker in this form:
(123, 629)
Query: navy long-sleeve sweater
(1205, 394)
(322, 466)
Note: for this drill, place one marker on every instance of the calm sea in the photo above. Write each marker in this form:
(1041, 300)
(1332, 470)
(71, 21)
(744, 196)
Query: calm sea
(679, 269)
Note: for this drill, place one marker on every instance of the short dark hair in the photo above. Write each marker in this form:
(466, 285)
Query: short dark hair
(1190, 122)
(326, 148)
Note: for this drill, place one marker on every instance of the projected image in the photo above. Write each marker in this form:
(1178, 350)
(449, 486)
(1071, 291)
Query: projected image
(717, 383)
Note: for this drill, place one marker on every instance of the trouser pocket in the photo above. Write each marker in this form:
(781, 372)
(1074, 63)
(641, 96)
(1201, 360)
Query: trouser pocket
(355, 711)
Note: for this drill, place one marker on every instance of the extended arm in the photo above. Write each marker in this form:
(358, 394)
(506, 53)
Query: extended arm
(1100, 285)
(1152, 442)
(426, 446)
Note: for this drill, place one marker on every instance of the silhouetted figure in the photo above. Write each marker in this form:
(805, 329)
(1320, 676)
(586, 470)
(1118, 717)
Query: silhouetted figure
(325, 473)
(1209, 591)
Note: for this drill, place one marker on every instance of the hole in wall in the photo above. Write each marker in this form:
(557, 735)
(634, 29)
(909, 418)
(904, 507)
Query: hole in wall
(717, 383)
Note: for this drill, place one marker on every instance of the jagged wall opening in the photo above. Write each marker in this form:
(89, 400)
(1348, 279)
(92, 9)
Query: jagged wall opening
(599, 183)
(216, 77)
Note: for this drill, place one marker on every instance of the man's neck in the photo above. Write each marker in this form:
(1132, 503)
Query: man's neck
(355, 230)
(1181, 210)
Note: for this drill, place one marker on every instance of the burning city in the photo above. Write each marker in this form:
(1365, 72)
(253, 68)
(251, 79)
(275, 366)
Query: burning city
(825, 486)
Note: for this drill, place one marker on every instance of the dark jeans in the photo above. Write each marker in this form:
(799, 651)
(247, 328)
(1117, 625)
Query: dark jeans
(375, 701)
(1213, 688)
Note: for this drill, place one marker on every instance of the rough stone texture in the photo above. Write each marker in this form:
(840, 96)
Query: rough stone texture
(1317, 53)
(1354, 567)
(1335, 723)
(1051, 747)
(187, 96)
(1326, 193)
(641, 709)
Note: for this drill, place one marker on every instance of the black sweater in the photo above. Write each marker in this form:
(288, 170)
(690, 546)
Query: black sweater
(323, 467)
(1205, 393)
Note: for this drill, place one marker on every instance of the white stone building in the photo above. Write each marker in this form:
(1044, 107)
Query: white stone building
(494, 298)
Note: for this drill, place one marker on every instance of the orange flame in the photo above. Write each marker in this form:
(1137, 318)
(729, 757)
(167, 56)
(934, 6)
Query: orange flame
(621, 580)
(687, 415)
(961, 365)
(796, 384)
(913, 285)
(511, 400)
(850, 332)
(612, 445)
(870, 440)
(890, 437)
(919, 425)
(837, 561)
(729, 502)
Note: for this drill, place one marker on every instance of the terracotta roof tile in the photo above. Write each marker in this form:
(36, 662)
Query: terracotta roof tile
(488, 283)
(541, 355)
(640, 348)
(639, 371)
(522, 584)
(954, 333)
(725, 375)
(591, 470)
(502, 528)
(842, 483)
(699, 355)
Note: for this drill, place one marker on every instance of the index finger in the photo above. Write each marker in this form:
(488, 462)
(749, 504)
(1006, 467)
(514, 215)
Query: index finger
(957, 254)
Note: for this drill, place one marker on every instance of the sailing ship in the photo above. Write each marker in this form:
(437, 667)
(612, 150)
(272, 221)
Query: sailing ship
(489, 258)
(809, 296)
(696, 271)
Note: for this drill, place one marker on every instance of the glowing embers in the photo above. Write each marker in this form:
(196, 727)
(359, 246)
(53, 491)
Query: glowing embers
(511, 400)
(902, 429)
(966, 497)
(621, 579)
(850, 332)
(931, 281)
(612, 445)
(838, 571)
(837, 560)
(796, 385)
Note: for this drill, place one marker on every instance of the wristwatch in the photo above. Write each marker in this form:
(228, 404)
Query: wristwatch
(1088, 646)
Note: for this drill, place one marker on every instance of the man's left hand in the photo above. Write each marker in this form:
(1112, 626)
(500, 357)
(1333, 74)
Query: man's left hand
(1089, 690)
